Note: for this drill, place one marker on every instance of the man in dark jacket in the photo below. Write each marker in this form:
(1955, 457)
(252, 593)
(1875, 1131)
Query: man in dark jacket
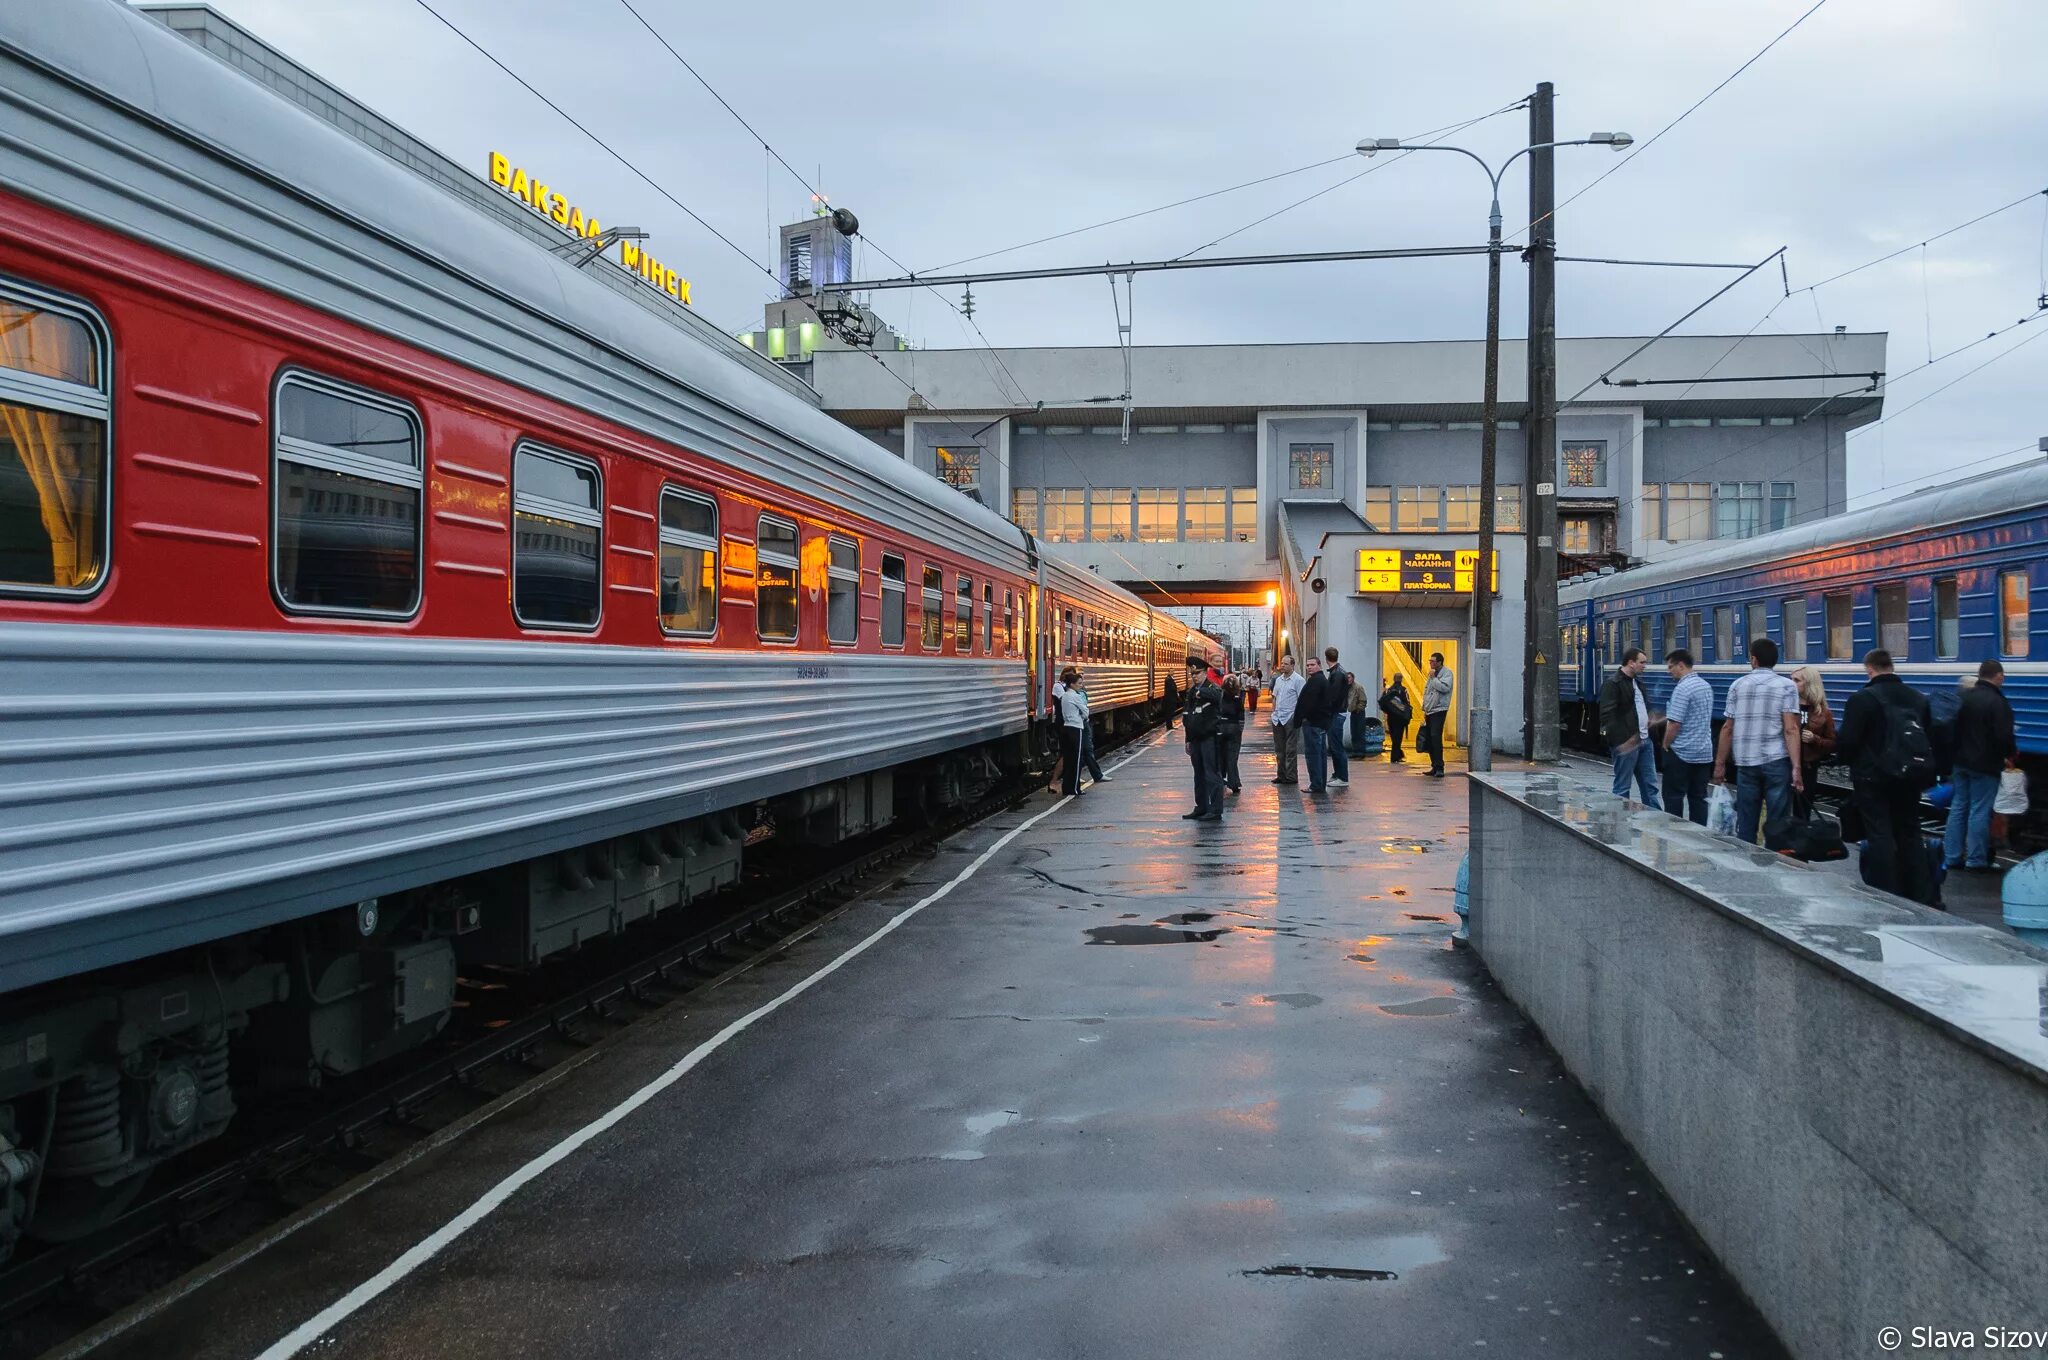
(1984, 746)
(1895, 859)
(1399, 708)
(1625, 727)
(1312, 714)
(1200, 720)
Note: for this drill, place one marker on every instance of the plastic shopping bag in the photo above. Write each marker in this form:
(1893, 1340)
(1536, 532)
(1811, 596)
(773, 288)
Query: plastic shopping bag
(2012, 793)
(1721, 810)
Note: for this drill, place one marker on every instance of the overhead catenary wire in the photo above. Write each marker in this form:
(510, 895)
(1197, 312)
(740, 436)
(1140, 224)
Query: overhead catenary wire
(1694, 107)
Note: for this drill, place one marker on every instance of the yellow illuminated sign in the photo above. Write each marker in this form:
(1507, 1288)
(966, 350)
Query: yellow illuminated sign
(540, 196)
(1420, 571)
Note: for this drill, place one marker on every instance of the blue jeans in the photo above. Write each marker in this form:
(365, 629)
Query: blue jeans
(1760, 789)
(1686, 784)
(1315, 741)
(1640, 765)
(1340, 761)
(1969, 814)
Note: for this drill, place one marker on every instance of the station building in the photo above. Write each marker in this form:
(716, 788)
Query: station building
(1344, 478)
(1336, 479)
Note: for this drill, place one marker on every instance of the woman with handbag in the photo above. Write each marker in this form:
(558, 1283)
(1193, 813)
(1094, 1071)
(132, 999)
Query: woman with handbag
(1816, 737)
(1230, 732)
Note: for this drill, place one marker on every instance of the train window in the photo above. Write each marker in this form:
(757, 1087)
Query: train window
(1792, 613)
(689, 563)
(842, 592)
(963, 617)
(348, 487)
(893, 586)
(1948, 619)
(1759, 625)
(1724, 633)
(557, 539)
(1669, 638)
(934, 622)
(1010, 639)
(55, 411)
(775, 556)
(1891, 620)
(988, 617)
(1696, 633)
(2013, 629)
(1841, 621)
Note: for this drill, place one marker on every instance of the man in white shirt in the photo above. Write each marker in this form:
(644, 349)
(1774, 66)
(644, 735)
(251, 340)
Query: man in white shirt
(1761, 733)
(1286, 736)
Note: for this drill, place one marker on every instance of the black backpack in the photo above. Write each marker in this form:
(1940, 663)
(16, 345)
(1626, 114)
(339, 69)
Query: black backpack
(1907, 755)
(1396, 705)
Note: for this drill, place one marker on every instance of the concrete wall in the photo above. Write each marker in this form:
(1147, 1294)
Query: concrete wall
(1845, 1094)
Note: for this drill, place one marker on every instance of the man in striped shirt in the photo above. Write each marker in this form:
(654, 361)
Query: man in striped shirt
(1761, 732)
(1688, 739)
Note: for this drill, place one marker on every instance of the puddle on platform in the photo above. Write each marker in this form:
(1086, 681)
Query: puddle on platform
(1405, 845)
(981, 1125)
(1360, 958)
(968, 1155)
(1324, 1273)
(1418, 916)
(1152, 935)
(1186, 918)
(1429, 1005)
(1299, 1001)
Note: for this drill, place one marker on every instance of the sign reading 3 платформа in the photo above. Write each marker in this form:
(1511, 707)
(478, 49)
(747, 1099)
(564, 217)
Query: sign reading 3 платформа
(1419, 571)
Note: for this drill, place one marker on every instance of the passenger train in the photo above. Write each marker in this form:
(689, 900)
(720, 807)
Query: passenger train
(382, 599)
(1941, 578)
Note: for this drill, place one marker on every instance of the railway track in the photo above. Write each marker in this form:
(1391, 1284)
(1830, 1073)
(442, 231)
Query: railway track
(511, 1033)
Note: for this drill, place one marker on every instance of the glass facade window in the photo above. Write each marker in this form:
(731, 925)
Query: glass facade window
(1204, 514)
(963, 616)
(775, 585)
(1841, 620)
(348, 485)
(1024, 508)
(1109, 514)
(1065, 515)
(1507, 509)
(1948, 620)
(893, 586)
(1688, 510)
(1575, 535)
(842, 593)
(1781, 505)
(557, 532)
(1418, 509)
(1310, 466)
(688, 597)
(1738, 509)
(2013, 621)
(1891, 620)
(1585, 462)
(1244, 514)
(1158, 514)
(932, 624)
(958, 465)
(1793, 614)
(1461, 509)
(1379, 507)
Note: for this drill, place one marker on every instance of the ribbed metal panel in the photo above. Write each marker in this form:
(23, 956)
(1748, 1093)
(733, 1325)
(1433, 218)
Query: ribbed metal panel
(164, 785)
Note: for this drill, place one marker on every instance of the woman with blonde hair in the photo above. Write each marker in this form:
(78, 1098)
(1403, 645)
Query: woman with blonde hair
(1816, 736)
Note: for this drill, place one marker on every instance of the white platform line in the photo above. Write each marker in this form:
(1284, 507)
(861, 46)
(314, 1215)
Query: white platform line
(427, 1248)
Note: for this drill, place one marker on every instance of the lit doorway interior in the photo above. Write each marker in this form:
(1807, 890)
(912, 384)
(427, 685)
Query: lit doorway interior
(1409, 659)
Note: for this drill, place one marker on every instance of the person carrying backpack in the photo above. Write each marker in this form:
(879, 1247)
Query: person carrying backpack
(1394, 702)
(1885, 736)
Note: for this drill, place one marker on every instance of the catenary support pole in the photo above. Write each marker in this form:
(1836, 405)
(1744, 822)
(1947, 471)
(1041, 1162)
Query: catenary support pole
(1479, 738)
(1539, 649)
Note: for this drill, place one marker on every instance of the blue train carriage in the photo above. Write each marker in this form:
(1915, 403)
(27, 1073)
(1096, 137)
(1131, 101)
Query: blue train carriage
(1942, 579)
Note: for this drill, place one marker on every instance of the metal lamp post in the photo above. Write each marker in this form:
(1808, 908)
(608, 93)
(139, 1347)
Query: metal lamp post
(1479, 739)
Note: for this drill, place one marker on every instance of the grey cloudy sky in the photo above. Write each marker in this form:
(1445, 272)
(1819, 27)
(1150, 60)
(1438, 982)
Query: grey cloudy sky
(956, 128)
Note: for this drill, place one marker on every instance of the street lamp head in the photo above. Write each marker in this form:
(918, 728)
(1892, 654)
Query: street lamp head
(1372, 146)
(1618, 140)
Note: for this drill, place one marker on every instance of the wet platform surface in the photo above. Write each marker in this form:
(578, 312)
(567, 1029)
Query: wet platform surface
(1138, 1087)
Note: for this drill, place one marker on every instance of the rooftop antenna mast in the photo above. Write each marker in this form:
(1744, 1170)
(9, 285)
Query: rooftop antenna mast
(1126, 312)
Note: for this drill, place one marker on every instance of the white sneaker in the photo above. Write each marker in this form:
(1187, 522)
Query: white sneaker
(1340, 783)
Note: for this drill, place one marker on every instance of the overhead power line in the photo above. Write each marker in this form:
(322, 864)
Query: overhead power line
(2027, 197)
(1631, 158)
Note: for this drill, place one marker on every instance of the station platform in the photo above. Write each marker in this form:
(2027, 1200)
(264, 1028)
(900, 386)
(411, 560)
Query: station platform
(1092, 1081)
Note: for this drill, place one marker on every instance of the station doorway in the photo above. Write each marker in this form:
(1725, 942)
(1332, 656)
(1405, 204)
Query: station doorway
(1409, 659)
